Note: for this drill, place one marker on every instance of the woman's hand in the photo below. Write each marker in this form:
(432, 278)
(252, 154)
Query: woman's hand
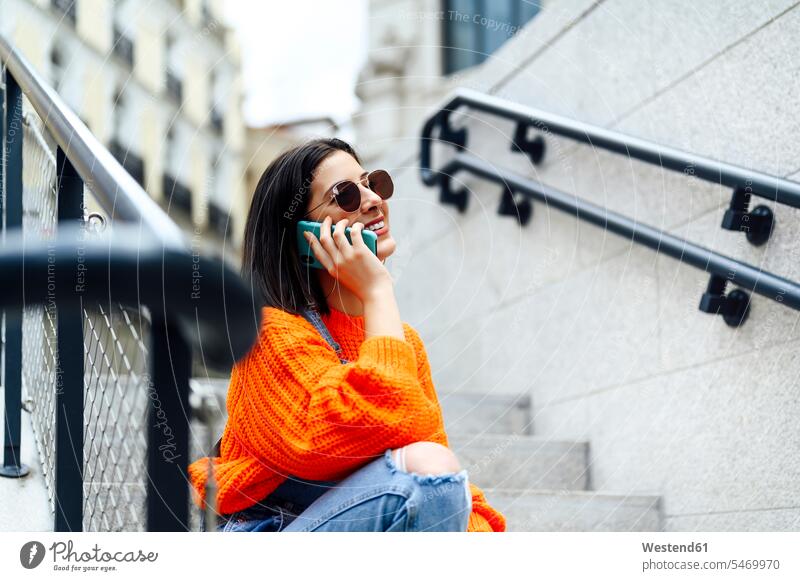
(354, 265)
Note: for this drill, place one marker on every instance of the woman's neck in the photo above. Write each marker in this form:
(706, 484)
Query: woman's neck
(339, 296)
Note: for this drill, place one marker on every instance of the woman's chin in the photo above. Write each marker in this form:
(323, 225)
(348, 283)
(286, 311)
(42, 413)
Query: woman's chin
(386, 247)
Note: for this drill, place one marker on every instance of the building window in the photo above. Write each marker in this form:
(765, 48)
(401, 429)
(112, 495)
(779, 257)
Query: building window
(119, 109)
(132, 163)
(56, 67)
(217, 120)
(177, 194)
(208, 20)
(474, 29)
(66, 8)
(123, 46)
(174, 84)
(219, 221)
(174, 87)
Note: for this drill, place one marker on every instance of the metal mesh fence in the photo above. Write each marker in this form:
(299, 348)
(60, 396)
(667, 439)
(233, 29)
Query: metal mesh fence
(116, 379)
(115, 416)
(39, 322)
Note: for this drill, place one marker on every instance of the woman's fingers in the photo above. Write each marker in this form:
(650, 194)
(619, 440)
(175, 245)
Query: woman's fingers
(325, 238)
(357, 237)
(343, 245)
(322, 256)
(333, 249)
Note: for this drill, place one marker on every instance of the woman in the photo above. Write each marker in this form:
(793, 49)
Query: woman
(333, 420)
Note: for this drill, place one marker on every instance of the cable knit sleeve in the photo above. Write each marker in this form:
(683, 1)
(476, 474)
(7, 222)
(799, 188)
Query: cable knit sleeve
(484, 518)
(305, 413)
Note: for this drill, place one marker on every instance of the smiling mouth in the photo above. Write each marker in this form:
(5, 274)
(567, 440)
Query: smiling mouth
(375, 226)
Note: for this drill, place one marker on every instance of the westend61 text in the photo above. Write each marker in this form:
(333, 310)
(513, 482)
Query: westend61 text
(670, 548)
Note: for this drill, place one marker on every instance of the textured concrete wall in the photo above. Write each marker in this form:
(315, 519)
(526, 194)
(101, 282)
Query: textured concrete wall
(605, 335)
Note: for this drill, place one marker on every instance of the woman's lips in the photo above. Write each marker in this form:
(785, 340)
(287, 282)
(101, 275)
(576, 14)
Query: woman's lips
(383, 230)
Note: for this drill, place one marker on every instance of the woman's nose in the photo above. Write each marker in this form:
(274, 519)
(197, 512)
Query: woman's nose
(369, 199)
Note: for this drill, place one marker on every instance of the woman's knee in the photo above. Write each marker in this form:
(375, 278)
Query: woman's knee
(426, 458)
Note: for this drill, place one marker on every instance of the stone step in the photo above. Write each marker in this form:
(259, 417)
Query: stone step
(463, 412)
(525, 462)
(548, 510)
(473, 413)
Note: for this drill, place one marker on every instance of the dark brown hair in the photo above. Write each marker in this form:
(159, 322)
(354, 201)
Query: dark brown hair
(270, 255)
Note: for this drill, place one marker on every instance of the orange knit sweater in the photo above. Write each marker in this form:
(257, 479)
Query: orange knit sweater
(294, 408)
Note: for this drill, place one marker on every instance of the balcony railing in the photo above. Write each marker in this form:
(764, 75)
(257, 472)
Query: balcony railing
(103, 310)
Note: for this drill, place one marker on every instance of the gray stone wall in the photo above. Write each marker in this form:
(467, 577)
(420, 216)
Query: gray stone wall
(605, 335)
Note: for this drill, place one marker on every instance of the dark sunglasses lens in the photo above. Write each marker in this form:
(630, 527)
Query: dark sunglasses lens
(381, 183)
(348, 196)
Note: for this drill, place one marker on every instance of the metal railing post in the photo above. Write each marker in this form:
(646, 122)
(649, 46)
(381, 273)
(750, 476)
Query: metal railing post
(69, 369)
(168, 428)
(12, 193)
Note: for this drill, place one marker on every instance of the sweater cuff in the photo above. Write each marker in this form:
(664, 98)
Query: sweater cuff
(478, 524)
(388, 351)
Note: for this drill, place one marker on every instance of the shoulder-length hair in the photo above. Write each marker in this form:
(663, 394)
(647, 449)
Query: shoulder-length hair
(270, 258)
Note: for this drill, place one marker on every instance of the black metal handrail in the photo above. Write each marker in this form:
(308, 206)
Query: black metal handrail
(518, 190)
(143, 260)
(115, 190)
(763, 185)
(757, 224)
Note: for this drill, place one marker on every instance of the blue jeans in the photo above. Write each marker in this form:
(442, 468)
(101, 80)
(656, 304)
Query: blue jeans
(379, 496)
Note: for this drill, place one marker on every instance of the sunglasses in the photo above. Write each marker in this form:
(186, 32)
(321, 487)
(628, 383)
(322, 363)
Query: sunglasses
(347, 195)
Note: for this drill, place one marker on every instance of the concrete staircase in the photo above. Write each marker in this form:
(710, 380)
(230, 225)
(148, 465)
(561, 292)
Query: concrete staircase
(537, 483)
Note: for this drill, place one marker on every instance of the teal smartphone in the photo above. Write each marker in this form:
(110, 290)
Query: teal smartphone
(307, 255)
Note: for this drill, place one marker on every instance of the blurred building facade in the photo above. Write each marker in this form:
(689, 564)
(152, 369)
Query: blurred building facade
(420, 49)
(265, 143)
(159, 84)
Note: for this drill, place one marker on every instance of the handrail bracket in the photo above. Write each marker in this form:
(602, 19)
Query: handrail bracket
(521, 143)
(447, 196)
(513, 204)
(455, 137)
(756, 224)
(733, 306)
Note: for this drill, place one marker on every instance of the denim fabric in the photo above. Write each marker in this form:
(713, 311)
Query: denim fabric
(312, 316)
(377, 497)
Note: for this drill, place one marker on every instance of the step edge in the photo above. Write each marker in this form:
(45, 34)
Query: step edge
(567, 492)
(519, 438)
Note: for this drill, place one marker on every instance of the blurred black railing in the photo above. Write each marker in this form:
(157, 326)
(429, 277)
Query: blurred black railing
(518, 191)
(109, 317)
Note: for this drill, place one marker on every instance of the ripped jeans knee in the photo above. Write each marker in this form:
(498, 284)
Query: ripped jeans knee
(434, 487)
